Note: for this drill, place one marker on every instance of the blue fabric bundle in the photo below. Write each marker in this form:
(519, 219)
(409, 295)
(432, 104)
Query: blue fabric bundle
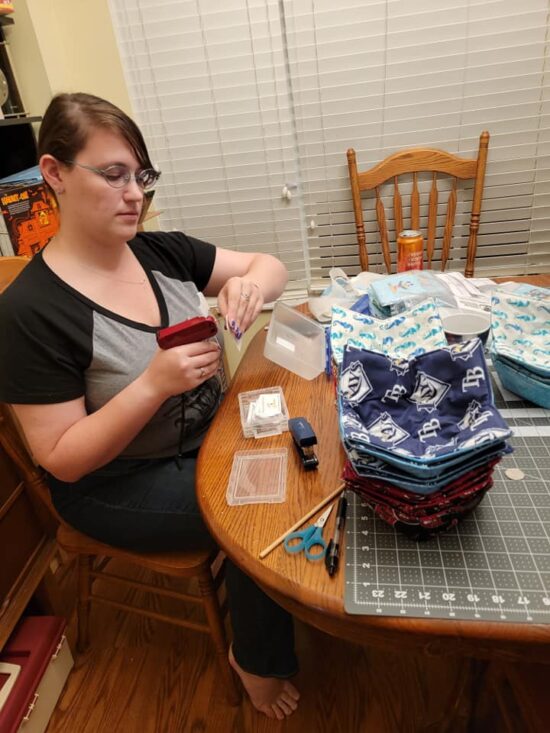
(419, 424)
(426, 410)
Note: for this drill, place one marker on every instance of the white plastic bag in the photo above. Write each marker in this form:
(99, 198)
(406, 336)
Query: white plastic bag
(343, 291)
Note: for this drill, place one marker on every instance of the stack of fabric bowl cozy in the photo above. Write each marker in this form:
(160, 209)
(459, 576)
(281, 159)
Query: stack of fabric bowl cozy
(520, 342)
(417, 418)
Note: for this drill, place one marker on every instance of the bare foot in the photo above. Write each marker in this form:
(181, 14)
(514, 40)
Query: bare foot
(272, 696)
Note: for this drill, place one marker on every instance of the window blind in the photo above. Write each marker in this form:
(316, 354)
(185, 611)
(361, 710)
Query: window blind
(208, 84)
(380, 76)
(238, 99)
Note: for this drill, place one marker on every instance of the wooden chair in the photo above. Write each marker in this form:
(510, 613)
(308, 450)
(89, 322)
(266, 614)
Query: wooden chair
(93, 559)
(10, 267)
(416, 160)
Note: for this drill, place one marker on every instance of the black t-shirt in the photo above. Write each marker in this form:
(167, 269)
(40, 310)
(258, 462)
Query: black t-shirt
(57, 345)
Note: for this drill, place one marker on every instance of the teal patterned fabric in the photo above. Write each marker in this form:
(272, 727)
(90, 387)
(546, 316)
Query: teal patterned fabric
(404, 335)
(520, 328)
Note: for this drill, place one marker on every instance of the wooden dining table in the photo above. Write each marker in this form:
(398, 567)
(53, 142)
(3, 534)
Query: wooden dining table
(305, 588)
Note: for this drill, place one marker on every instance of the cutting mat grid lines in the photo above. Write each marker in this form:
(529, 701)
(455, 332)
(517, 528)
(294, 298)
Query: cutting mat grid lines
(495, 566)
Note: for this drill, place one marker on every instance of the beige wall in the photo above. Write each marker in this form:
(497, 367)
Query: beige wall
(28, 64)
(66, 45)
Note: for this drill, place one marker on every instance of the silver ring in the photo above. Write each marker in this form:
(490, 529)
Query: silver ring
(202, 372)
(245, 296)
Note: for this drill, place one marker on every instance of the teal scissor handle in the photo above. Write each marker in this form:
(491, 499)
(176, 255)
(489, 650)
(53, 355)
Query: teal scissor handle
(305, 540)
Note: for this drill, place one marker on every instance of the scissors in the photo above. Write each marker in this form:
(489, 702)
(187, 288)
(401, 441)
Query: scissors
(308, 538)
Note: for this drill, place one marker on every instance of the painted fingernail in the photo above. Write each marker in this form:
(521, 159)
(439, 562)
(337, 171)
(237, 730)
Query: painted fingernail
(232, 324)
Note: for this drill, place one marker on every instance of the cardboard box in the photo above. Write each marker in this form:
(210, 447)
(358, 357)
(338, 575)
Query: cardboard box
(31, 215)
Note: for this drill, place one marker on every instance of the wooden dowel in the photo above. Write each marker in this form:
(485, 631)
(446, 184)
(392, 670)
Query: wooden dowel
(299, 523)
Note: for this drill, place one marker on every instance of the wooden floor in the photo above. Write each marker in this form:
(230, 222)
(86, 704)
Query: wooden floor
(141, 676)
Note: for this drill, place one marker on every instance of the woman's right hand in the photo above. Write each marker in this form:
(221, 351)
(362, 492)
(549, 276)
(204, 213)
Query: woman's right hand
(69, 442)
(182, 368)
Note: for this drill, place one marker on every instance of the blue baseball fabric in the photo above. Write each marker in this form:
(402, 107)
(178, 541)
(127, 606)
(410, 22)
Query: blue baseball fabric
(422, 435)
(433, 469)
(422, 410)
(369, 467)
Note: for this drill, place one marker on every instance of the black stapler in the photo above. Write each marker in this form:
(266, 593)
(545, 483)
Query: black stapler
(304, 440)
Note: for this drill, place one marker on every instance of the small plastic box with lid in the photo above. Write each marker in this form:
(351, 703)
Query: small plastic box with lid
(295, 342)
(263, 412)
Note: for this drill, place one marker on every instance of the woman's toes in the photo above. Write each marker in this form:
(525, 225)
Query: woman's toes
(284, 706)
(279, 714)
(291, 690)
(274, 697)
(288, 700)
(267, 711)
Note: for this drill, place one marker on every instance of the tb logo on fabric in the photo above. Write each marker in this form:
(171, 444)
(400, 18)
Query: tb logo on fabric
(428, 392)
(398, 365)
(464, 350)
(354, 383)
(386, 430)
(474, 417)
(351, 422)
(488, 435)
(473, 378)
(429, 429)
(395, 393)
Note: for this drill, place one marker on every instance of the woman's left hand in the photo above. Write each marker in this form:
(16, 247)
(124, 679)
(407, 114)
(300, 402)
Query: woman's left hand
(240, 300)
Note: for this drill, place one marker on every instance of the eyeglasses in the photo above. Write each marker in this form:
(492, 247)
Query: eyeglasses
(119, 176)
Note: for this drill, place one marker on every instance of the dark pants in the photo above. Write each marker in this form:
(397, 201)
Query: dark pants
(150, 506)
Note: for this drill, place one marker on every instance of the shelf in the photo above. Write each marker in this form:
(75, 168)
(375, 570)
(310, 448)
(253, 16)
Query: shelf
(6, 122)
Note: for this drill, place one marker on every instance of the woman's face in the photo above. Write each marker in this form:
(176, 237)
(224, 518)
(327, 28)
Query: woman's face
(99, 210)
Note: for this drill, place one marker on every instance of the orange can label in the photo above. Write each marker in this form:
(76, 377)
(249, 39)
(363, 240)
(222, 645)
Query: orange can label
(410, 250)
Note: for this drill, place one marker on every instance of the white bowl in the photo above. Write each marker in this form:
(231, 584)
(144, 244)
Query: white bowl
(462, 325)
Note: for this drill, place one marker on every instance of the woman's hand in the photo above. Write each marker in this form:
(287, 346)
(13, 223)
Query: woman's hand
(182, 368)
(240, 301)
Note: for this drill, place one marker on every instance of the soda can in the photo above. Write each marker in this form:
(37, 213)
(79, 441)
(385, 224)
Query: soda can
(410, 250)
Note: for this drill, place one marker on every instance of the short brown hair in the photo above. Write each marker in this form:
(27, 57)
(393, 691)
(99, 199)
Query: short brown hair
(69, 118)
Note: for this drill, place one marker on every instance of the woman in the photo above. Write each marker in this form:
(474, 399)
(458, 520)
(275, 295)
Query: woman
(104, 410)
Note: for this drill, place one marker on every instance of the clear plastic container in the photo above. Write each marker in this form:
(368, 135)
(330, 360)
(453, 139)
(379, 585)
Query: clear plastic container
(295, 342)
(263, 412)
(258, 477)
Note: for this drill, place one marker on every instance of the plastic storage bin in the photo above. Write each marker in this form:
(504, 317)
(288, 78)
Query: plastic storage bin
(295, 342)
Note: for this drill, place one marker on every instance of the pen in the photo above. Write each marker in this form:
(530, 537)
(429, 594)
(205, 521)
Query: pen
(333, 550)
